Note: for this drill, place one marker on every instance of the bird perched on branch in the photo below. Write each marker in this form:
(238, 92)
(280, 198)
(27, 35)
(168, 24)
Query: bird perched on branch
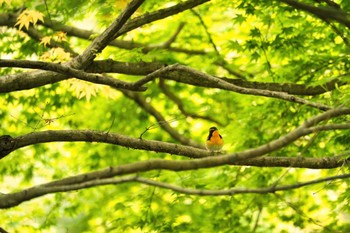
(214, 141)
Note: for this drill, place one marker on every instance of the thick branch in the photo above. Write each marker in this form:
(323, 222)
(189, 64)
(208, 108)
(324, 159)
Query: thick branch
(322, 12)
(9, 144)
(98, 136)
(290, 88)
(13, 199)
(308, 127)
(9, 200)
(191, 76)
(144, 68)
(28, 80)
(131, 68)
(3, 231)
(66, 70)
(101, 41)
(35, 79)
(160, 14)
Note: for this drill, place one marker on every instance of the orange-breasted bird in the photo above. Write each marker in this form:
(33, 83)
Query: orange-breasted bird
(214, 141)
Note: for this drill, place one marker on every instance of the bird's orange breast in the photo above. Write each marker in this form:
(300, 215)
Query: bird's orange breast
(215, 139)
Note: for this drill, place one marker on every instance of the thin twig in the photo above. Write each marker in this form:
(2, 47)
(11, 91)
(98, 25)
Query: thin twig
(206, 31)
(172, 39)
(180, 105)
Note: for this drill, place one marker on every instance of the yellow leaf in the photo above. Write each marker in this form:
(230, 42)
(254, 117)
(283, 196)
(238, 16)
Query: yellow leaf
(46, 56)
(36, 15)
(22, 21)
(27, 17)
(61, 36)
(8, 2)
(61, 55)
(83, 89)
(45, 40)
(56, 54)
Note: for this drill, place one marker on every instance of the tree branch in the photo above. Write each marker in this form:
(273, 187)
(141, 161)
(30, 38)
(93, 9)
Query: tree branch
(194, 77)
(211, 41)
(180, 105)
(9, 144)
(290, 88)
(3, 231)
(80, 62)
(162, 121)
(159, 14)
(206, 159)
(322, 12)
(84, 180)
(13, 199)
(66, 70)
(28, 80)
(101, 41)
(172, 39)
(130, 68)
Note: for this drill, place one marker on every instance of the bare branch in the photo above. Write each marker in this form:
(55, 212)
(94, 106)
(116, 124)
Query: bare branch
(330, 3)
(28, 80)
(235, 191)
(180, 105)
(307, 127)
(98, 136)
(9, 144)
(131, 68)
(329, 127)
(3, 231)
(101, 41)
(191, 76)
(257, 219)
(84, 180)
(13, 199)
(160, 14)
(66, 70)
(290, 88)
(322, 12)
(172, 39)
(206, 31)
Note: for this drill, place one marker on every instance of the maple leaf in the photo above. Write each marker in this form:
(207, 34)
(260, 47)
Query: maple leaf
(27, 17)
(36, 15)
(56, 54)
(83, 89)
(45, 40)
(61, 36)
(60, 54)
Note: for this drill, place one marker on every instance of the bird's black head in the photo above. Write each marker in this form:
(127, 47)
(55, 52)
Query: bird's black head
(211, 129)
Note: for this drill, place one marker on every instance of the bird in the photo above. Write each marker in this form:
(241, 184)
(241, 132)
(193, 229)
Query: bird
(214, 142)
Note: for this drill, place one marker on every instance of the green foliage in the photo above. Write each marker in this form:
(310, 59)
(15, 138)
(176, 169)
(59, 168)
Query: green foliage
(266, 41)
